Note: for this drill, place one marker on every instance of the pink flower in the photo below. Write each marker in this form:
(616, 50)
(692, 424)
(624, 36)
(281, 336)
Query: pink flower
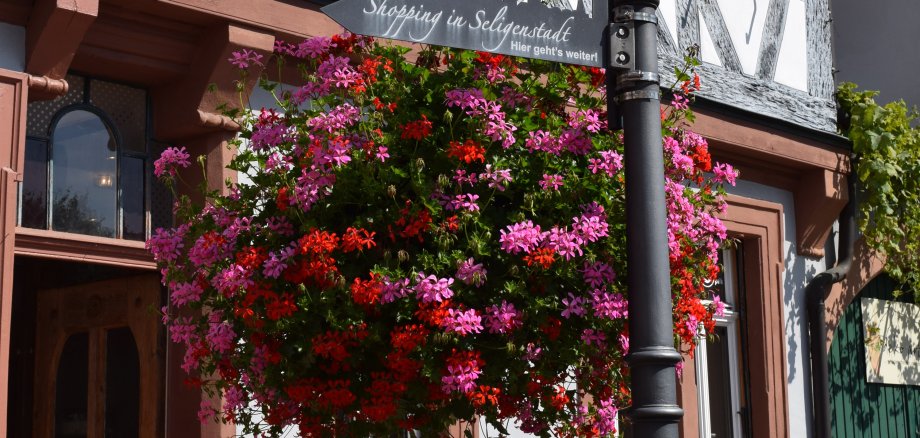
(464, 201)
(242, 58)
(165, 245)
(394, 290)
(718, 306)
(573, 306)
(566, 244)
(521, 237)
(471, 273)
(183, 293)
(221, 337)
(462, 322)
(606, 417)
(170, 161)
(551, 182)
(497, 178)
(598, 274)
(724, 172)
(503, 318)
(606, 305)
(313, 47)
(595, 337)
(589, 228)
(430, 289)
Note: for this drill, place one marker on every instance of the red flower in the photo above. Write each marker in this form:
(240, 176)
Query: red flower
(467, 151)
(356, 239)
(318, 242)
(366, 293)
(280, 307)
(484, 396)
(416, 130)
(542, 256)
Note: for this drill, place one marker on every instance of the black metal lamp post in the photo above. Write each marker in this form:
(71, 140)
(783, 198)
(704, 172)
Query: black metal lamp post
(633, 79)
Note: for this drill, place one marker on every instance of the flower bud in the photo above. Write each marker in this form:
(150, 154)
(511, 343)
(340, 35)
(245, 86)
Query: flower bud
(340, 281)
(387, 255)
(402, 256)
(391, 191)
(443, 181)
(420, 163)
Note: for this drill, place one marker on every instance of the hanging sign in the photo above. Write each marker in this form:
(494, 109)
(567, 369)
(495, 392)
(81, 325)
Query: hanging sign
(569, 31)
(892, 342)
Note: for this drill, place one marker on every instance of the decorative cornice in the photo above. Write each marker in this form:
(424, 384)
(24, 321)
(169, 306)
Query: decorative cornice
(211, 120)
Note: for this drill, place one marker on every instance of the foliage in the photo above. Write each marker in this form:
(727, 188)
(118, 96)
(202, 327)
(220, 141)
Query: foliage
(886, 145)
(421, 242)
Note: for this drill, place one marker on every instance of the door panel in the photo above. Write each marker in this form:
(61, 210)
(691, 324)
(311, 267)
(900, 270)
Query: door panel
(115, 314)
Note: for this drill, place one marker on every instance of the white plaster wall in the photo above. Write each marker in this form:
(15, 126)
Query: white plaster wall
(668, 9)
(745, 21)
(792, 62)
(798, 272)
(708, 52)
(12, 47)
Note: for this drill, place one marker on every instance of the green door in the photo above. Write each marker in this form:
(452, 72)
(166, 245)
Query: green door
(860, 409)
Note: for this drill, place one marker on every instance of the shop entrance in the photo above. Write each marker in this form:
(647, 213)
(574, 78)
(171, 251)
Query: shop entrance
(97, 367)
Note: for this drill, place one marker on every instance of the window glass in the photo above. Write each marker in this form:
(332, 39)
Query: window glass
(34, 197)
(83, 175)
(70, 401)
(122, 384)
(131, 178)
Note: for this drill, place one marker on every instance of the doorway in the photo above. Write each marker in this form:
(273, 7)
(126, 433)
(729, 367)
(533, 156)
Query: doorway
(96, 352)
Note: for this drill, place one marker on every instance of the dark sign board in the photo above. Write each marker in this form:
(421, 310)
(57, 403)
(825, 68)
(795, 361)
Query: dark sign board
(569, 31)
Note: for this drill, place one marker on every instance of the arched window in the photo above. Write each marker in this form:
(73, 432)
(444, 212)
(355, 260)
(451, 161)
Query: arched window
(86, 166)
(84, 196)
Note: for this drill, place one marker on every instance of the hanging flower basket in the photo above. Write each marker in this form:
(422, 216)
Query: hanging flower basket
(418, 242)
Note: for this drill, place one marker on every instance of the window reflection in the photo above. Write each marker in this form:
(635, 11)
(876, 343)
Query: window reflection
(83, 171)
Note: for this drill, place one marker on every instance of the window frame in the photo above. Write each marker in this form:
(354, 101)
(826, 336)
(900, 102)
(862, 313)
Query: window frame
(733, 321)
(121, 152)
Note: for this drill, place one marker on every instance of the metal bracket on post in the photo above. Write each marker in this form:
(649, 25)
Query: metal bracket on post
(622, 42)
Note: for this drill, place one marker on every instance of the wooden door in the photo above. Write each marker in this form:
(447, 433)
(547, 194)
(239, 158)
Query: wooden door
(98, 368)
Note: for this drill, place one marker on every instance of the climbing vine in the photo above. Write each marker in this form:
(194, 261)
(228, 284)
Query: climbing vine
(886, 144)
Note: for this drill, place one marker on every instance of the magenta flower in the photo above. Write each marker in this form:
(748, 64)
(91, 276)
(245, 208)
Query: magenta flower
(606, 305)
(573, 306)
(551, 182)
(598, 274)
(595, 337)
(394, 290)
(170, 161)
(462, 322)
(184, 293)
(471, 273)
(521, 237)
(430, 289)
(502, 318)
(460, 377)
(243, 58)
(464, 201)
(724, 172)
(497, 178)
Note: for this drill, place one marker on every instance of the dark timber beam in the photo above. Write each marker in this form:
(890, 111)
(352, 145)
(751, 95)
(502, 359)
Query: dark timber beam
(718, 30)
(772, 38)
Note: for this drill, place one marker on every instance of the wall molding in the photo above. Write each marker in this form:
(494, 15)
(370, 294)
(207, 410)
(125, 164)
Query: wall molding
(759, 226)
(79, 248)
